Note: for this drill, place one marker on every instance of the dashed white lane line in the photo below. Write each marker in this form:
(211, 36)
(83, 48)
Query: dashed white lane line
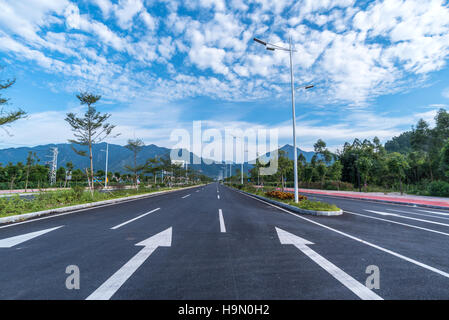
(222, 224)
(400, 223)
(423, 265)
(134, 219)
(405, 217)
(218, 196)
(436, 212)
(419, 214)
(188, 195)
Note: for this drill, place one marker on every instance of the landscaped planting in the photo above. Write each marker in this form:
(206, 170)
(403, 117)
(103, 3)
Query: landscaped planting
(55, 199)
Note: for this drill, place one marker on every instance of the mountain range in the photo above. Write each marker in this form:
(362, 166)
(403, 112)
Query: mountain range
(119, 156)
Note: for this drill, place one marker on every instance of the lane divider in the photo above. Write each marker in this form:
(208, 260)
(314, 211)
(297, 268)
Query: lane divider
(222, 224)
(400, 223)
(186, 196)
(134, 219)
(405, 217)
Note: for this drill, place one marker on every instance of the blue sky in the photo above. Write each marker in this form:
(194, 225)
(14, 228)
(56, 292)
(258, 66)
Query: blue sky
(378, 66)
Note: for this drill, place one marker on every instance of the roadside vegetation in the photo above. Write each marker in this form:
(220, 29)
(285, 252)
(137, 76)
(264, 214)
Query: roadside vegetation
(415, 162)
(76, 195)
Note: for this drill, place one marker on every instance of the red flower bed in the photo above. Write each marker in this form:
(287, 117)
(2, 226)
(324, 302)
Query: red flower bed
(284, 195)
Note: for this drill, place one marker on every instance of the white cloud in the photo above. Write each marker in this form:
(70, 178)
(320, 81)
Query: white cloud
(445, 93)
(125, 12)
(106, 6)
(357, 53)
(149, 20)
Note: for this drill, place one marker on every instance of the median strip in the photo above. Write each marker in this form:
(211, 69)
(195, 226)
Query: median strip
(79, 208)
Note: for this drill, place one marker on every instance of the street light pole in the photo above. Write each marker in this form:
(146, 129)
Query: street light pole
(273, 47)
(295, 152)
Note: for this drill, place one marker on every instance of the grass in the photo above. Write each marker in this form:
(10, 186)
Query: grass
(303, 204)
(57, 199)
(314, 205)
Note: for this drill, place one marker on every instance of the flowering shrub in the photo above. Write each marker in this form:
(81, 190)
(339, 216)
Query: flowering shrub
(284, 195)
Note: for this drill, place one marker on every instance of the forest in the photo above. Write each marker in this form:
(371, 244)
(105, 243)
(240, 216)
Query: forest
(415, 162)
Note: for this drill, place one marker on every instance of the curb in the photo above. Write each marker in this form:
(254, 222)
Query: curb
(293, 208)
(92, 205)
(381, 201)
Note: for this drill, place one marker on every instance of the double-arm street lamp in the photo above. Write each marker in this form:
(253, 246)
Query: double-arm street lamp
(290, 50)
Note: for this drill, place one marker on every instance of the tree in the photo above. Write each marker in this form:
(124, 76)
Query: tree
(152, 166)
(135, 146)
(397, 164)
(7, 117)
(60, 174)
(30, 161)
(284, 166)
(364, 165)
(444, 162)
(89, 129)
(334, 171)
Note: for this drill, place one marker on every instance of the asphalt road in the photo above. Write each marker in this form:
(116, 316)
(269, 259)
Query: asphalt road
(215, 243)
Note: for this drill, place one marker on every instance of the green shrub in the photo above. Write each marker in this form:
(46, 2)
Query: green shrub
(77, 192)
(438, 188)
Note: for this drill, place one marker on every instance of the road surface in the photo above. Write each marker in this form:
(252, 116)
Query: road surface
(216, 243)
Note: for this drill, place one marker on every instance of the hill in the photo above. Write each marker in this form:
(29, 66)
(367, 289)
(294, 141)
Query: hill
(119, 156)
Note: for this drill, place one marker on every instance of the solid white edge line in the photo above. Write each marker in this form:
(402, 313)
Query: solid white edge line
(222, 224)
(423, 265)
(138, 217)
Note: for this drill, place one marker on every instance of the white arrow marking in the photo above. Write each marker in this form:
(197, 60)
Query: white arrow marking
(138, 217)
(186, 196)
(222, 224)
(110, 287)
(405, 217)
(395, 254)
(13, 241)
(349, 282)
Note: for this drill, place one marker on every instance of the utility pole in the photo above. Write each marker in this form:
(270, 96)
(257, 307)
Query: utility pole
(54, 166)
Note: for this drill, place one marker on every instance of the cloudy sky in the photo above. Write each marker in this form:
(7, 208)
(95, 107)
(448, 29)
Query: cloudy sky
(378, 66)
